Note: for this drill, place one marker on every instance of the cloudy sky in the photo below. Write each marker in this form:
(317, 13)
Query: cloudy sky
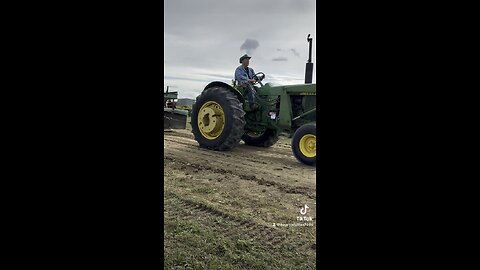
(205, 38)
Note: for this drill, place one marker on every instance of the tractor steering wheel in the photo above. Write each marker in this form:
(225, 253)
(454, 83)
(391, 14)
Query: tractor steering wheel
(259, 77)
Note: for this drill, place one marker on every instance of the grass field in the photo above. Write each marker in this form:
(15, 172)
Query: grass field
(221, 207)
(210, 241)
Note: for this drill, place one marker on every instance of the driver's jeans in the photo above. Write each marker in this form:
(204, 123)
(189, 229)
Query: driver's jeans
(250, 92)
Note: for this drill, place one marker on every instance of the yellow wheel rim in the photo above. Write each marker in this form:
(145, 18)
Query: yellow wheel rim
(308, 145)
(211, 120)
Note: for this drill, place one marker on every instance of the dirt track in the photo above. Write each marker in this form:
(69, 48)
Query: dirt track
(253, 191)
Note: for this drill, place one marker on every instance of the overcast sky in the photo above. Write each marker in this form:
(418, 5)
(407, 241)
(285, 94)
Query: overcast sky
(204, 40)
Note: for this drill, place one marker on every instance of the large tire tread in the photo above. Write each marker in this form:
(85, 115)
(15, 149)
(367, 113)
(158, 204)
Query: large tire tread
(233, 131)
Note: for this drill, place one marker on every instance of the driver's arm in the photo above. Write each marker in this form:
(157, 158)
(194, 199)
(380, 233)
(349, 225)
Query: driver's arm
(253, 74)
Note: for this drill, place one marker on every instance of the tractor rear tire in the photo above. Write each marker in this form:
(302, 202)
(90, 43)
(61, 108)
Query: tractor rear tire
(266, 139)
(217, 119)
(304, 144)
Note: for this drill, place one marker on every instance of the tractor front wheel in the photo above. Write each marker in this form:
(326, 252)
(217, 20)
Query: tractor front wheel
(304, 144)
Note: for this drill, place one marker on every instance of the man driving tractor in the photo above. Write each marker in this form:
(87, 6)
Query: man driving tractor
(244, 76)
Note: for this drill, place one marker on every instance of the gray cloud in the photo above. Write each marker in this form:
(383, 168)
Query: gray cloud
(295, 52)
(249, 45)
(281, 58)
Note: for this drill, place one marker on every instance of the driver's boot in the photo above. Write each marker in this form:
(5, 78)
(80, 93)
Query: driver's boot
(254, 106)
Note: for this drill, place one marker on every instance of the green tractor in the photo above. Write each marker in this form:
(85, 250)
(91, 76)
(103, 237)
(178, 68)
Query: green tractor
(221, 115)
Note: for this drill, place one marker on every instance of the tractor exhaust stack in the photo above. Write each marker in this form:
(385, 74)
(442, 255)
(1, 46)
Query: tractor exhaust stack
(309, 67)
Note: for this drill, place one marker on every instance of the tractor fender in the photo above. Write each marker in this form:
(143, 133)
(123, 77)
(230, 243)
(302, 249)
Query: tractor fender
(228, 87)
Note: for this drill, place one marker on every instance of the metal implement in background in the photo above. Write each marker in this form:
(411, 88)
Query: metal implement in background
(173, 118)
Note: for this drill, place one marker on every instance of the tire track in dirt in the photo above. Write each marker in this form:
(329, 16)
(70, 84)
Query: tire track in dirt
(273, 169)
(189, 135)
(250, 177)
(277, 148)
(265, 166)
(208, 152)
(266, 204)
(244, 152)
(272, 237)
(245, 161)
(192, 166)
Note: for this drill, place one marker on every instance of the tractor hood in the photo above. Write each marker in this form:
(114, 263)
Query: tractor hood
(302, 89)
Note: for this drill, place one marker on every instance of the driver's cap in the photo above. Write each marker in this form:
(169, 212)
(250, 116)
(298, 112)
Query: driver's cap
(245, 56)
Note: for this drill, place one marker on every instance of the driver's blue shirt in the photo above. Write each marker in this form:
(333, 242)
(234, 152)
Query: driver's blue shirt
(242, 76)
